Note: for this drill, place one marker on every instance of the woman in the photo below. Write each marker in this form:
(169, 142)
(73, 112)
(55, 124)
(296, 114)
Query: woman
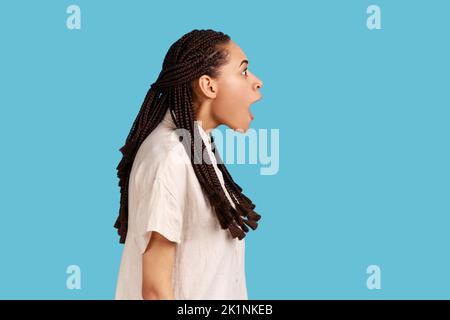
(182, 217)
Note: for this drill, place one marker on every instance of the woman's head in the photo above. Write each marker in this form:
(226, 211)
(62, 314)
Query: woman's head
(226, 97)
(198, 81)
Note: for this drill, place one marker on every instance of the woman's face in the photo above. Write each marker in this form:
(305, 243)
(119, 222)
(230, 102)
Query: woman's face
(233, 91)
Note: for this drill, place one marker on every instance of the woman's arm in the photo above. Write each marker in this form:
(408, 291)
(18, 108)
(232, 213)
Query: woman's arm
(158, 260)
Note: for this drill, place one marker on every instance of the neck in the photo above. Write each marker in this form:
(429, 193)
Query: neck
(207, 123)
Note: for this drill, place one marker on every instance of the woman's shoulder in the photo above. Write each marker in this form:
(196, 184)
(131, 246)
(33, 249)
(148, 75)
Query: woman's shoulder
(162, 153)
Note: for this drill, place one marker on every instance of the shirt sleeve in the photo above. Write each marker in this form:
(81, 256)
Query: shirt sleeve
(161, 205)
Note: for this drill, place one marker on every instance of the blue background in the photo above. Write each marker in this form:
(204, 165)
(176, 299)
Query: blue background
(364, 141)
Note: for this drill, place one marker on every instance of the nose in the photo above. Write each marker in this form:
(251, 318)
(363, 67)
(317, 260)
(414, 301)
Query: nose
(258, 83)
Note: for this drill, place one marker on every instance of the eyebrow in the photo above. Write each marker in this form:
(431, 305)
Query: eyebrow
(243, 61)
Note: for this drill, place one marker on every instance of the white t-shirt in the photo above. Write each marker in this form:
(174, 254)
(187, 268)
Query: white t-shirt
(165, 195)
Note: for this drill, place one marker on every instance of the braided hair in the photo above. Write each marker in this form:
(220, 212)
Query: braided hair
(196, 53)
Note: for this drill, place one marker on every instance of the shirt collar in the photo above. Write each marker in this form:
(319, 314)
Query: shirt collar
(169, 123)
(206, 137)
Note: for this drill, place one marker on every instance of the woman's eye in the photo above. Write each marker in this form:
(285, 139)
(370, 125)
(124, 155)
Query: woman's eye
(245, 72)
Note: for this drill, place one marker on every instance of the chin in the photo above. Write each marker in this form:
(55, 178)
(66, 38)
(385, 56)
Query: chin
(242, 129)
(243, 126)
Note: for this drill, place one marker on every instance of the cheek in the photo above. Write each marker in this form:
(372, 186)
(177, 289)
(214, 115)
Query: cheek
(232, 111)
(233, 99)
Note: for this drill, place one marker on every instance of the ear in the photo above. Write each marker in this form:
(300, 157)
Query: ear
(207, 86)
